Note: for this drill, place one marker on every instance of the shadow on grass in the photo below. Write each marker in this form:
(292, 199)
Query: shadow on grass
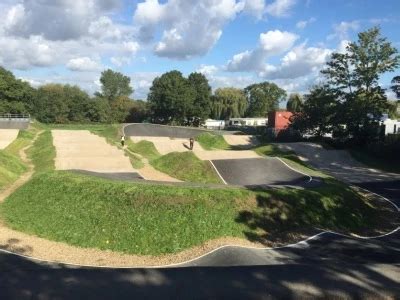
(282, 214)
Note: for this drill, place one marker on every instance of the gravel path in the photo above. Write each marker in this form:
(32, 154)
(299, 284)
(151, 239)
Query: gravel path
(82, 150)
(7, 136)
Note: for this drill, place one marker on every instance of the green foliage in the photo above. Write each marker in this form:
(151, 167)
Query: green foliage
(57, 103)
(14, 107)
(186, 167)
(210, 141)
(157, 219)
(263, 98)
(171, 98)
(354, 77)
(42, 153)
(318, 112)
(201, 107)
(114, 85)
(120, 109)
(228, 103)
(138, 112)
(396, 86)
(294, 103)
(15, 90)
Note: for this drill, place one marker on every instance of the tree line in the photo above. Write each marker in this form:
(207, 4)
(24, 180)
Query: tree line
(173, 99)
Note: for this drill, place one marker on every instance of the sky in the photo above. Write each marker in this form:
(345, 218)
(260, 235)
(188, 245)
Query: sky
(232, 42)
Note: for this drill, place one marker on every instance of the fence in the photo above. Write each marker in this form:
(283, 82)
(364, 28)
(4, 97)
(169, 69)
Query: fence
(14, 121)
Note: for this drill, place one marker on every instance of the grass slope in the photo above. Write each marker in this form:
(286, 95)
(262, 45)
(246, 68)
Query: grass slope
(42, 152)
(187, 167)
(154, 219)
(11, 167)
(212, 141)
(144, 148)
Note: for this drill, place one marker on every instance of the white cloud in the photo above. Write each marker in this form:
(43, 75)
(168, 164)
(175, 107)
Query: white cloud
(84, 64)
(280, 8)
(46, 33)
(207, 69)
(190, 27)
(55, 20)
(341, 30)
(141, 82)
(270, 43)
(300, 61)
(304, 23)
(255, 8)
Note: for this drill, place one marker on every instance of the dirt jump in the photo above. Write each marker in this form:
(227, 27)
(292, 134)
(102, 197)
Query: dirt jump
(235, 167)
(82, 150)
(7, 136)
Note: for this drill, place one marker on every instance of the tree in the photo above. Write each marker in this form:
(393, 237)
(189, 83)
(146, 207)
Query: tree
(171, 98)
(50, 105)
(263, 98)
(15, 90)
(294, 103)
(139, 111)
(201, 108)
(396, 86)
(318, 112)
(228, 103)
(354, 78)
(120, 109)
(114, 85)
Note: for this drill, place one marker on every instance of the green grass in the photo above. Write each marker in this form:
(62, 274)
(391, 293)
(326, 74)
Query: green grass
(187, 167)
(23, 139)
(42, 153)
(144, 148)
(375, 162)
(153, 219)
(212, 141)
(11, 167)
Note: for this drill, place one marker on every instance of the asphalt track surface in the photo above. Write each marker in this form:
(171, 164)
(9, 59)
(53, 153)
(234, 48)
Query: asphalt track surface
(257, 172)
(327, 266)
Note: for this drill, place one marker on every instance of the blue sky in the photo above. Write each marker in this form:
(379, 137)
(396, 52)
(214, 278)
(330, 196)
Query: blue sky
(234, 43)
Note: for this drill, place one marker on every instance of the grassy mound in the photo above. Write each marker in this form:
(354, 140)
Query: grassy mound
(187, 167)
(144, 148)
(212, 141)
(11, 167)
(43, 152)
(154, 219)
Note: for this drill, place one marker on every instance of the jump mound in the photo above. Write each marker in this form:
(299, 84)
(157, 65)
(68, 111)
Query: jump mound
(82, 150)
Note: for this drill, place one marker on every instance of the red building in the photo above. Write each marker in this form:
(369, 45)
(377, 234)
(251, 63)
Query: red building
(279, 120)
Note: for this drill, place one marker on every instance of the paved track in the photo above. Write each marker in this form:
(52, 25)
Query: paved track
(258, 171)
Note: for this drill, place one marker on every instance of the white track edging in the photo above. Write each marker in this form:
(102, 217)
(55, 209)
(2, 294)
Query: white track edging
(293, 169)
(219, 174)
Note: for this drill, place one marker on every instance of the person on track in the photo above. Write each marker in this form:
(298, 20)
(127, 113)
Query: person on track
(191, 143)
(122, 140)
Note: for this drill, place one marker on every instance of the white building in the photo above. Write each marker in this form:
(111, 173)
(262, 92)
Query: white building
(247, 122)
(391, 126)
(214, 124)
